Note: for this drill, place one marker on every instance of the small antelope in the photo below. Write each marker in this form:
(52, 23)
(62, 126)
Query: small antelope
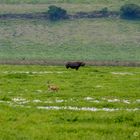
(53, 88)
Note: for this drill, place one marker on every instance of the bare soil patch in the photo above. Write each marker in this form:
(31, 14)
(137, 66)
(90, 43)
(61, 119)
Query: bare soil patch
(62, 62)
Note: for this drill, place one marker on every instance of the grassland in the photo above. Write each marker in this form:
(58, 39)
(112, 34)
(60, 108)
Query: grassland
(94, 103)
(80, 39)
(23, 89)
(72, 6)
(115, 2)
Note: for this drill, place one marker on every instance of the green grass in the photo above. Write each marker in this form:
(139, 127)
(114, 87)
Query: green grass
(30, 83)
(79, 39)
(26, 6)
(30, 124)
(83, 39)
(68, 1)
(70, 7)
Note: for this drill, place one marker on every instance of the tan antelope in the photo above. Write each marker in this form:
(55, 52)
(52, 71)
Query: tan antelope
(52, 87)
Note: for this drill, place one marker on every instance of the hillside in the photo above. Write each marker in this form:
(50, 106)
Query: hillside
(79, 39)
(69, 1)
(87, 39)
(18, 6)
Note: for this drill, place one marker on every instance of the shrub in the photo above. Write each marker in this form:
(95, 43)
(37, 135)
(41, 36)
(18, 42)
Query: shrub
(56, 13)
(130, 11)
(104, 10)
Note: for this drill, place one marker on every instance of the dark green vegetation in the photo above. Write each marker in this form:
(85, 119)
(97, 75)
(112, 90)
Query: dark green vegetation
(56, 13)
(24, 88)
(130, 11)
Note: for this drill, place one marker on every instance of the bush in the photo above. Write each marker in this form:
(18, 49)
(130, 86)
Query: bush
(104, 10)
(130, 11)
(56, 13)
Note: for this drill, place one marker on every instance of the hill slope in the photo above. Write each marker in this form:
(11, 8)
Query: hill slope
(78, 39)
(86, 39)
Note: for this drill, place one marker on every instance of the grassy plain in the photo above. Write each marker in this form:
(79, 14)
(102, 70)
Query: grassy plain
(23, 89)
(70, 7)
(94, 103)
(18, 6)
(115, 2)
(79, 39)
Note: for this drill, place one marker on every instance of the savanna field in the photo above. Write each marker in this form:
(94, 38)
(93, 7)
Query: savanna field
(93, 103)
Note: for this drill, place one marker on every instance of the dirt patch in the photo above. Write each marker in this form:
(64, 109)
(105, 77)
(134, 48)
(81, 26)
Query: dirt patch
(62, 63)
